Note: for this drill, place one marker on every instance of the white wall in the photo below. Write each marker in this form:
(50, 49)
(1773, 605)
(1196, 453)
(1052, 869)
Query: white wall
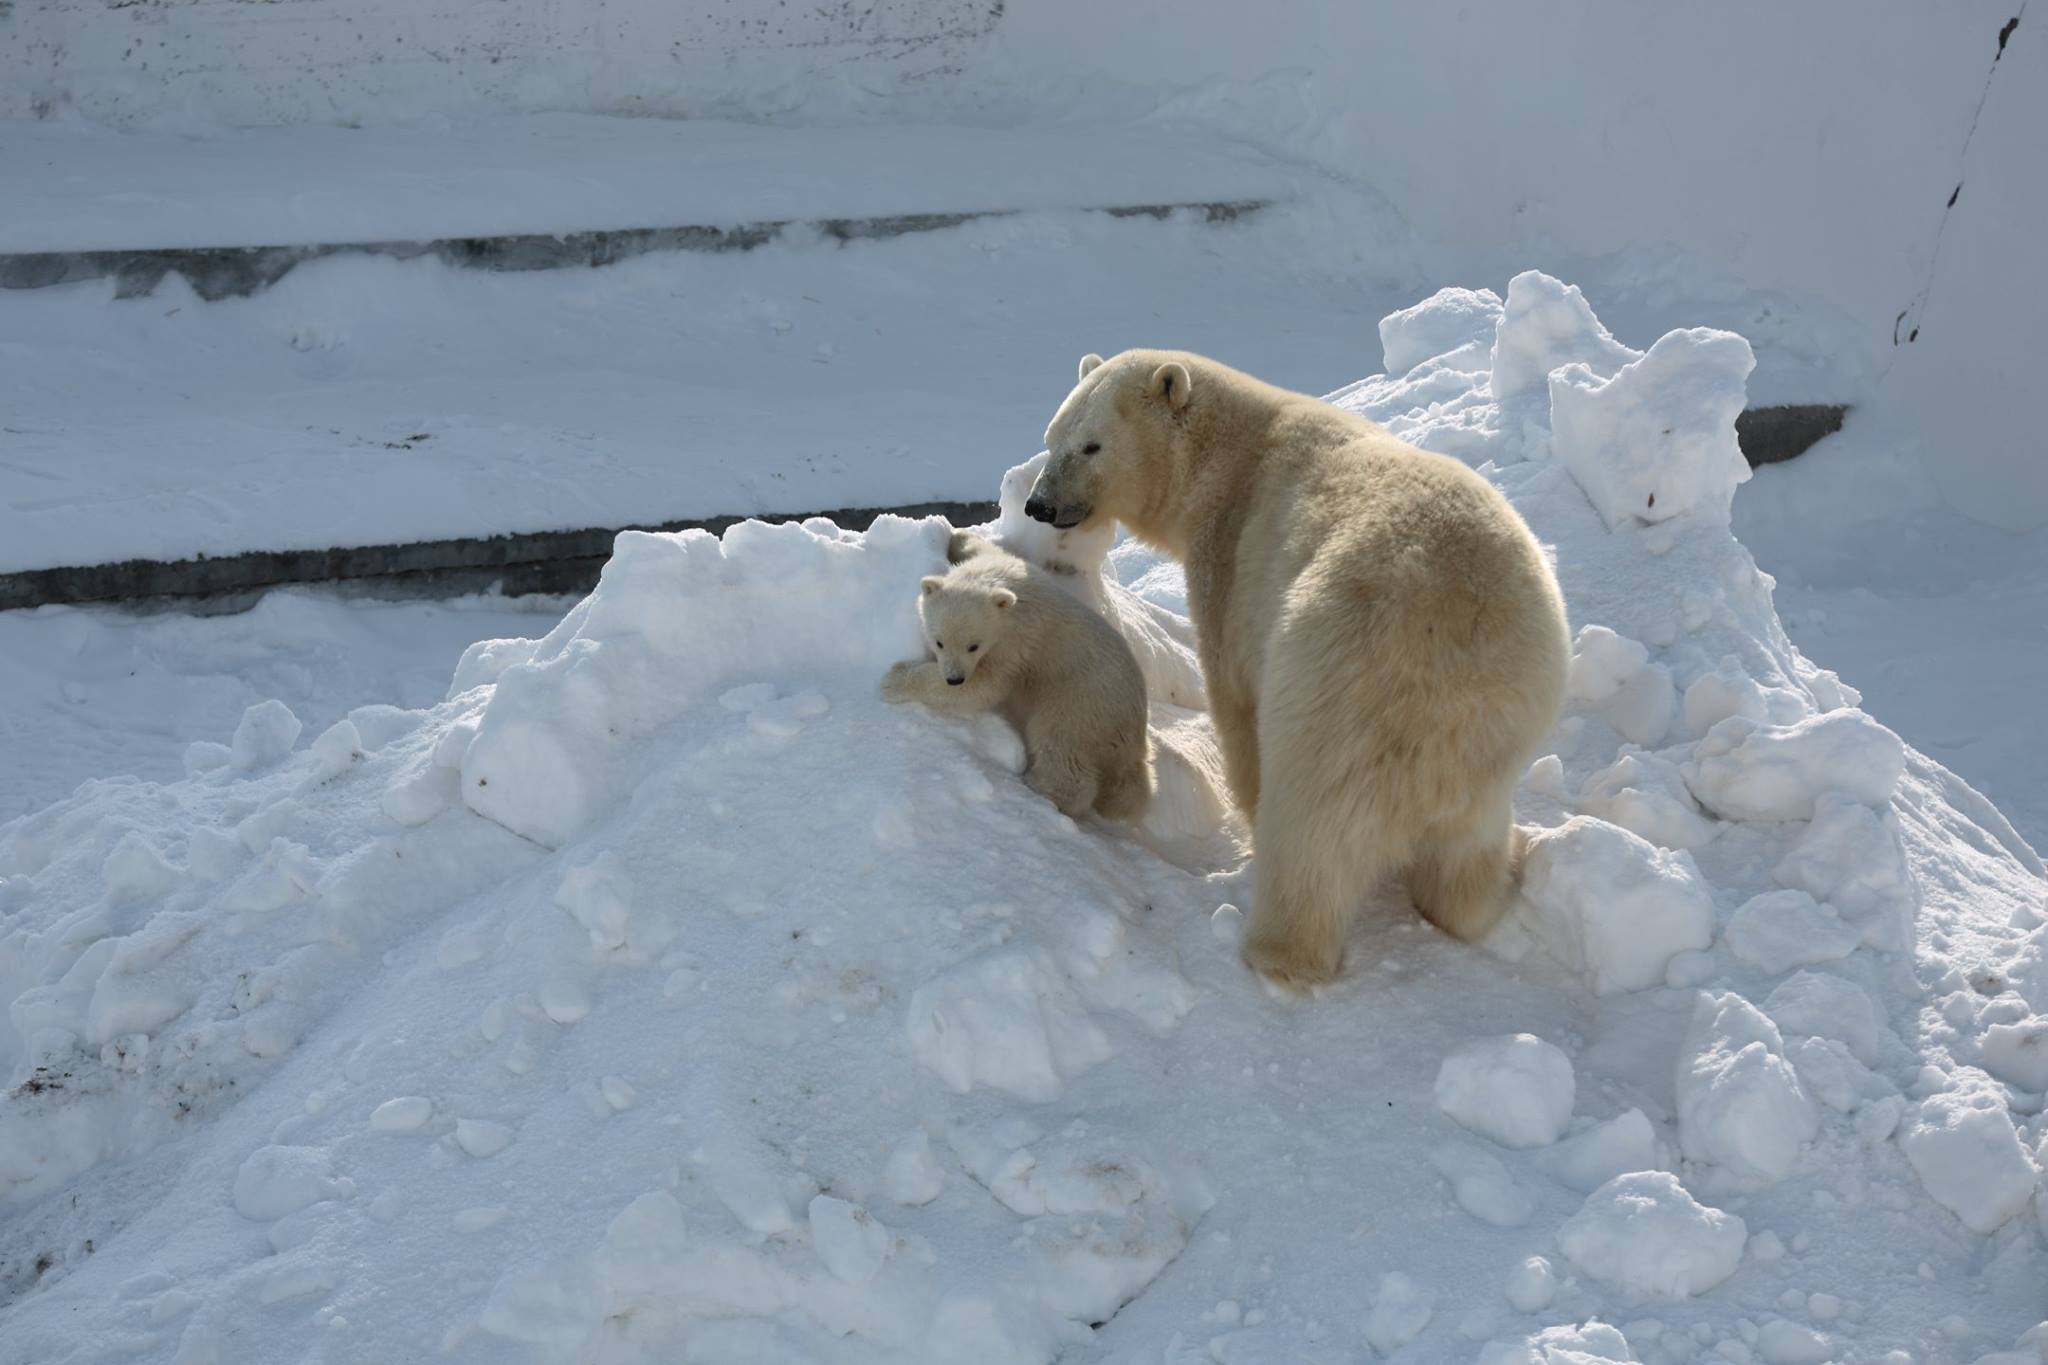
(1755, 145)
(291, 61)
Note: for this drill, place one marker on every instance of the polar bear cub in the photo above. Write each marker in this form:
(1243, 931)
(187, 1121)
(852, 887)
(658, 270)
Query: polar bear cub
(1001, 636)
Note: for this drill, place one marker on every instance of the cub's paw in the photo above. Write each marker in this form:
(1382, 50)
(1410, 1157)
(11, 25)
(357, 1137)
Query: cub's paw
(899, 683)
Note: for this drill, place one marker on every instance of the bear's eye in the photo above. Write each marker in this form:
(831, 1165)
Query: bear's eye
(972, 648)
(939, 643)
(1092, 448)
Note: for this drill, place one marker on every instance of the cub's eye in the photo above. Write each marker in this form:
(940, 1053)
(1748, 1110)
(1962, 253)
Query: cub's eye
(941, 644)
(1092, 448)
(972, 648)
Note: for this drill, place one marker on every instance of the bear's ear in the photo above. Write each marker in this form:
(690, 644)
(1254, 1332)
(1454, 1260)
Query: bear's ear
(1171, 382)
(1089, 364)
(1003, 598)
(931, 585)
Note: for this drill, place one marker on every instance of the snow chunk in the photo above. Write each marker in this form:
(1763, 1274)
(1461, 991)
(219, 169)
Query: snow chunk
(1010, 1020)
(1482, 1185)
(267, 732)
(2017, 1053)
(1745, 770)
(1740, 1104)
(1400, 1311)
(913, 1176)
(1602, 663)
(1780, 930)
(1613, 907)
(1658, 438)
(1647, 795)
(1850, 857)
(641, 1259)
(1643, 1234)
(1591, 1343)
(1586, 1161)
(482, 1137)
(1531, 1285)
(1781, 1342)
(1812, 1005)
(1446, 321)
(1546, 324)
(848, 1239)
(274, 1181)
(1516, 1089)
(338, 749)
(1970, 1158)
(402, 1115)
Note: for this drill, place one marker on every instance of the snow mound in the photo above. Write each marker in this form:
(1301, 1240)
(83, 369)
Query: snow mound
(663, 994)
(1643, 1234)
(1516, 1090)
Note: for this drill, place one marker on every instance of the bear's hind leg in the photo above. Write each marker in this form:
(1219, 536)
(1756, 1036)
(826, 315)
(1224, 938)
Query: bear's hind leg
(1126, 792)
(1463, 877)
(1062, 782)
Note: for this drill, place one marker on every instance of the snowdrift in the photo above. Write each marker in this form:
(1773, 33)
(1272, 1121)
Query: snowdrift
(661, 994)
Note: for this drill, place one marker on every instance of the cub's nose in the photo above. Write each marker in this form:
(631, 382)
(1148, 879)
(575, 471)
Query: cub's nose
(954, 682)
(1038, 509)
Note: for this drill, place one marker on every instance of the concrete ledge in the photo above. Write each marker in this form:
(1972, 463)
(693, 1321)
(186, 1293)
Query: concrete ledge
(1770, 435)
(545, 561)
(236, 272)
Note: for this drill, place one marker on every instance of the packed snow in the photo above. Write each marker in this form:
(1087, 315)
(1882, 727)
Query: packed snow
(658, 993)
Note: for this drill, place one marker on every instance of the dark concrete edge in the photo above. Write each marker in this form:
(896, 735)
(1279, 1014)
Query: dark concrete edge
(570, 561)
(237, 272)
(1771, 435)
(536, 562)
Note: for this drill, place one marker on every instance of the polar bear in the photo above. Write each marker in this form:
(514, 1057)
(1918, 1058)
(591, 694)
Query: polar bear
(1003, 637)
(1383, 639)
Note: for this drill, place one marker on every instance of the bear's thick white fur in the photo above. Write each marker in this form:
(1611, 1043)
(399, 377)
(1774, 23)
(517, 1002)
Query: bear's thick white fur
(1382, 638)
(1003, 637)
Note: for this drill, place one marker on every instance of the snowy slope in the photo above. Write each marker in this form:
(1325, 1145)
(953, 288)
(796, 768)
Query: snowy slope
(663, 995)
(97, 690)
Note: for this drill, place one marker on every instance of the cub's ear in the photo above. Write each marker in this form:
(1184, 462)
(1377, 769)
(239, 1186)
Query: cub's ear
(931, 585)
(1089, 364)
(1171, 382)
(1003, 598)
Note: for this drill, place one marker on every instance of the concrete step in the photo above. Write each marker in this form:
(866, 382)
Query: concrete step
(234, 210)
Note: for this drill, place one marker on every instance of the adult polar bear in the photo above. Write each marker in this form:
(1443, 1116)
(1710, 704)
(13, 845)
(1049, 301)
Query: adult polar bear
(1383, 640)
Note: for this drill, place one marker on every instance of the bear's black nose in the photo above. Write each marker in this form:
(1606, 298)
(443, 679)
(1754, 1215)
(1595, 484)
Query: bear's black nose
(955, 682)
(1038, 509)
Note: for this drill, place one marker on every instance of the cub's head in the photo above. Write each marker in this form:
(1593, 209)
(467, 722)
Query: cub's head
(963, 621)
(1111, 445)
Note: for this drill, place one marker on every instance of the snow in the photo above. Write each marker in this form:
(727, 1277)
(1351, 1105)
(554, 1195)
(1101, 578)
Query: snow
(1611, 906)
(1531, 1286)
(1400, 1310)
(1740, 1105)
(1970, 1158)
(1656, 438)
(1516, 1090)
(822, 1038)
(1779, 930)
(1644, 1235)
(1746, 770)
